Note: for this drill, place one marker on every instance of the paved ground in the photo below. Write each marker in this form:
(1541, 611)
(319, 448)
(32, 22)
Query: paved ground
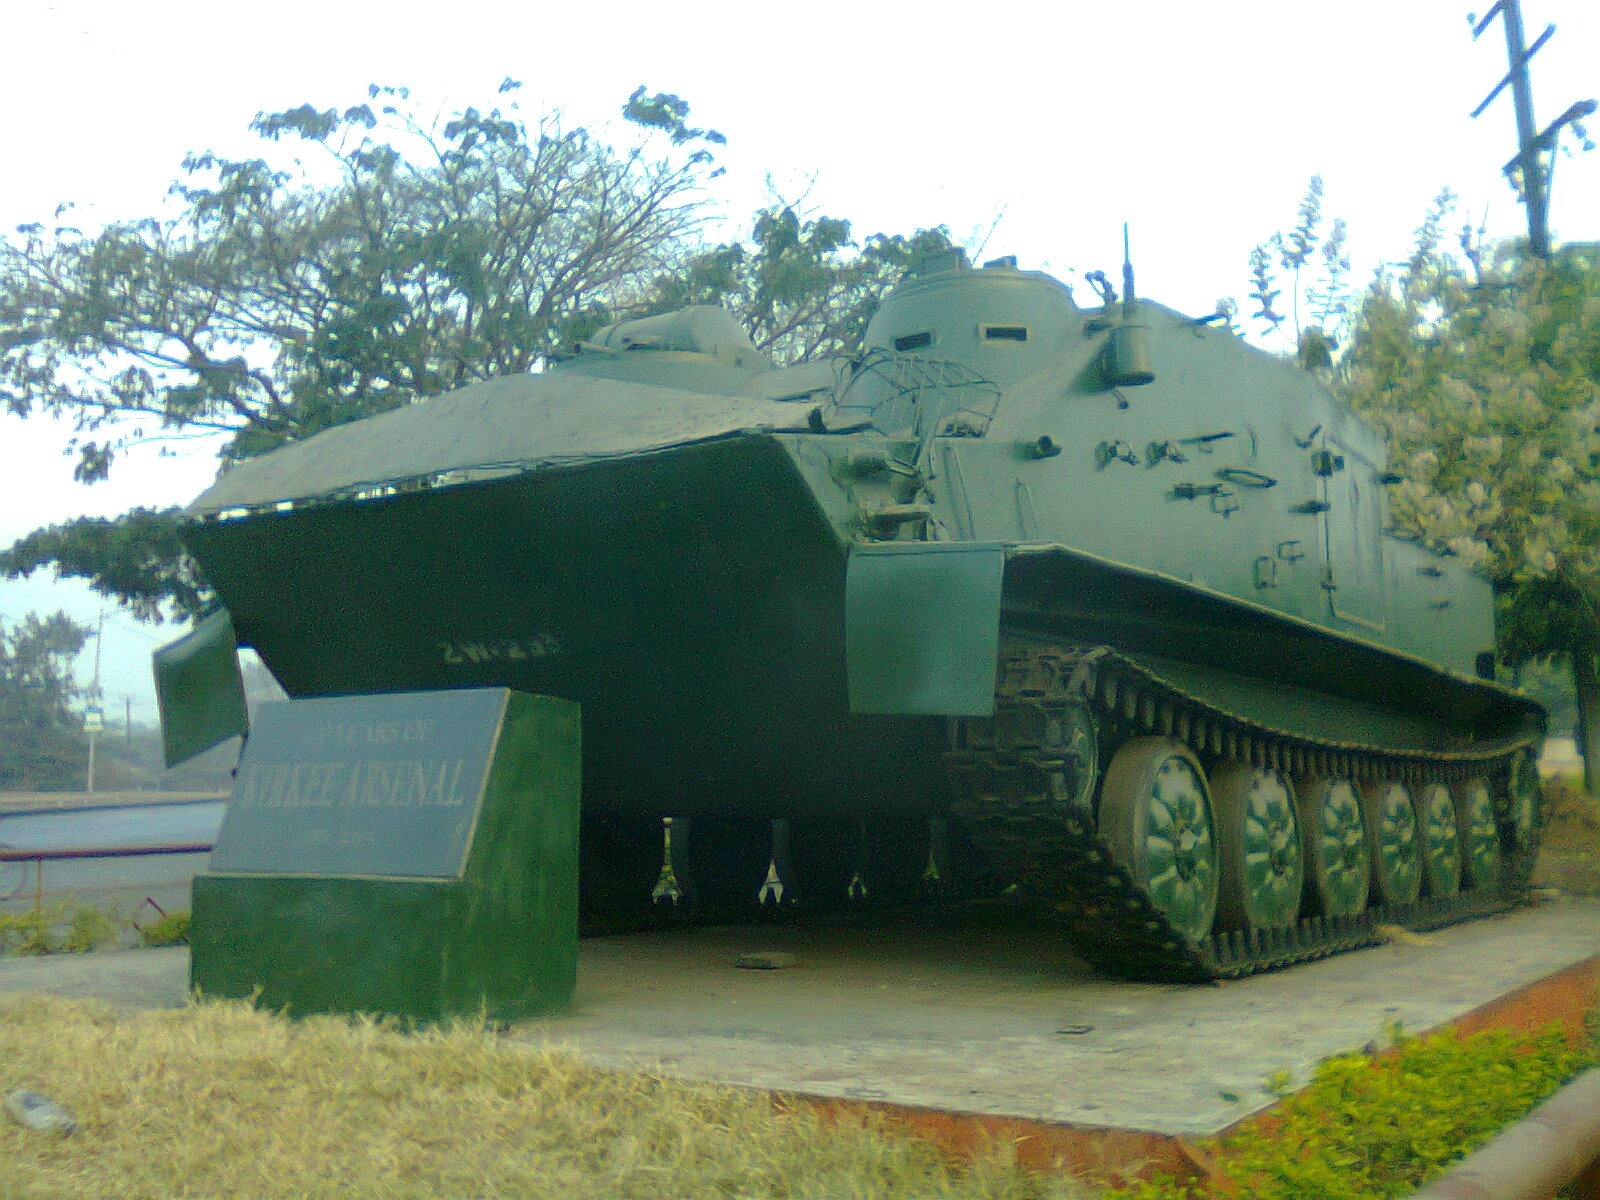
(965, 1020)
(128, 980)
(108, 882)
(956, 1015)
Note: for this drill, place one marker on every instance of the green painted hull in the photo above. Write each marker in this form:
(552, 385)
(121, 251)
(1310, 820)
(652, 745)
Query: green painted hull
(869, 589)
(691, 601)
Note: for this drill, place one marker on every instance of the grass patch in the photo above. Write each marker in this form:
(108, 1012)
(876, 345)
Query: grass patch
(171, 929)
(29, 932)
(219, 1099)
(1373, 1128)
(68, 927)
(90, 928)
(59, 929)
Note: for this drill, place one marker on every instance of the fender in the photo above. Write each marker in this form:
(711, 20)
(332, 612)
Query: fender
(199, 689)
(922, 627)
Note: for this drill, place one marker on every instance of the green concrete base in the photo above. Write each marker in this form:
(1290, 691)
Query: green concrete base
(357, 945)
(499, 938)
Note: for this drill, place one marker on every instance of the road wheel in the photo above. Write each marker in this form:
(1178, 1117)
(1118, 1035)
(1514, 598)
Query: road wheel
(1258, 835)
(1155, 814)
(1525, 797)
(1480, 840)
(1338, 865)
(1441, 840)
(1392, 841)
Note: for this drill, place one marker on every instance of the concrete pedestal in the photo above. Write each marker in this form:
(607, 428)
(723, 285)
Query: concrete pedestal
(412, 854)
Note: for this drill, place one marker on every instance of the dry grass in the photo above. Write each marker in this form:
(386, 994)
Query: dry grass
(219, 1100)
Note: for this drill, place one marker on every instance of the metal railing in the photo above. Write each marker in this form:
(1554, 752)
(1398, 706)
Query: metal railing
(39, 857)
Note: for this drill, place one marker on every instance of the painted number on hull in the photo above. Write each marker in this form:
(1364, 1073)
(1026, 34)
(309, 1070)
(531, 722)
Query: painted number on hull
(461, 653)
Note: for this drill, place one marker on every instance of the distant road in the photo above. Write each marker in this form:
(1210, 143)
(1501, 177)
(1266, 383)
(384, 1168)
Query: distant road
(124, 882)
(13, 802)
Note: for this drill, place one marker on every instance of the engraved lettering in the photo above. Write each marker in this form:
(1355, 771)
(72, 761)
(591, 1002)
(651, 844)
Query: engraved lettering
(374, 787)
(439, 782)
(350, 796)
(291, 785)
(332, 783)
(379, 783)
(273, 779)
(451, 791)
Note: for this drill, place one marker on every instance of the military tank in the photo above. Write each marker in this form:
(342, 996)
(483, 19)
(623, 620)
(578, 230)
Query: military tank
(1097, 601)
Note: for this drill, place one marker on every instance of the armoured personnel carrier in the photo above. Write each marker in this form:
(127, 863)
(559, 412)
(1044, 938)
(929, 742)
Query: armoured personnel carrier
(1104, 586)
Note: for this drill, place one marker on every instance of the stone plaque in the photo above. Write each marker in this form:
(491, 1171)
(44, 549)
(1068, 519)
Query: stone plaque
(385, 786)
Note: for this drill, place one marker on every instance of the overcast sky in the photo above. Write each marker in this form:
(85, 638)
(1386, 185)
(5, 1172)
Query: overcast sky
(1035, 132)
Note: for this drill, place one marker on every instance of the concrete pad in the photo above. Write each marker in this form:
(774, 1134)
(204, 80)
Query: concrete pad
(1006, 1022)
(128, 980)
(949, 1012)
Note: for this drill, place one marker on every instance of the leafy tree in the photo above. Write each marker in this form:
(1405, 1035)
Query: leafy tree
(406, 261)
(400, 259)
(1314, 268)
(397, 260)
(802, 287)
(1483, 369)
(41, 736)
(135, 559)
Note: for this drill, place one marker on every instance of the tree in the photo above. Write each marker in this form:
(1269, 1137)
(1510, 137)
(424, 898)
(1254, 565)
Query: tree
(405, 260)
(41, 736)
(275, 303)
(1314, 267)
(1483, 370)
(802, 288)
(271, 303)
(136, 559)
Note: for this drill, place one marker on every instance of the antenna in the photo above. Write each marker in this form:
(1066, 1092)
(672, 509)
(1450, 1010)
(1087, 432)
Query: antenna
(1127, 276)
(1128, 361)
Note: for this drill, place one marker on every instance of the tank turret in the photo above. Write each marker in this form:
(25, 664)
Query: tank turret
(701, 348)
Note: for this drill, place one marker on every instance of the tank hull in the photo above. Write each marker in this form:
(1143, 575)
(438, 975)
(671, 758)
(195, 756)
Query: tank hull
(691, 601)
(1112, 590)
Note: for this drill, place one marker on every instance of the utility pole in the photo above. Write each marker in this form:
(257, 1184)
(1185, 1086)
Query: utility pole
(1533, 149)
(94, 715)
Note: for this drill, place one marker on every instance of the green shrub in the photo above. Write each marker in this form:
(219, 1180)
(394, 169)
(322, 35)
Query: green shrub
(30, 931)
(1366, 1128)
(171, 930)
(89, 929)
(57, 928)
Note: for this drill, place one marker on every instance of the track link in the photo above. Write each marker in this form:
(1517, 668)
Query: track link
(1024, 785)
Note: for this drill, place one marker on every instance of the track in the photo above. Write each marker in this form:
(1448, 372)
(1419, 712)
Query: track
(1026, 783)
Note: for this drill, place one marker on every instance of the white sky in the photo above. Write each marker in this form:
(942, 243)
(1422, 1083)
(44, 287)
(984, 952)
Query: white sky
(1197, 123)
